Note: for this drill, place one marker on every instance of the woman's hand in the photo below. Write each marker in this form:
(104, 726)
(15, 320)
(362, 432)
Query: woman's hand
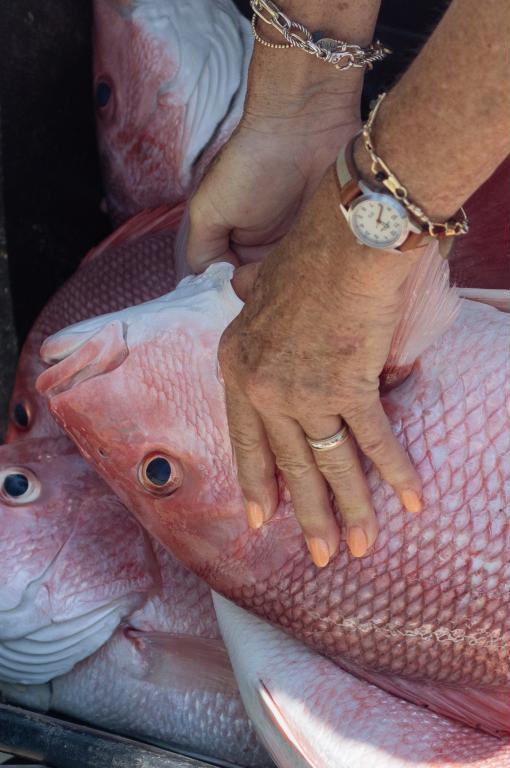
(298, 113)
(305, 353)
(266, 173)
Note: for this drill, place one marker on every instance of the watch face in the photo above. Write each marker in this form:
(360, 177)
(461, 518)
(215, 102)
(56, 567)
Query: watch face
(379, 221)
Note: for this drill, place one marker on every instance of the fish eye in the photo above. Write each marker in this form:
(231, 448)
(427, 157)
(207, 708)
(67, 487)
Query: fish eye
(103, 93)
(21, 415)
(18, 486)
(160, 474)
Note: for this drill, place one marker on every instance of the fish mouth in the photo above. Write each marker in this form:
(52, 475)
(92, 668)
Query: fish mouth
(76, 356)
(54, 649)
(36, 645)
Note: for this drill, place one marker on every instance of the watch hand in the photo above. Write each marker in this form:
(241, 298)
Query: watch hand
(378, 220)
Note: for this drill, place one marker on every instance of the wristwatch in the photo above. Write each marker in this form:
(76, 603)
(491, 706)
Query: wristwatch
(377, 219)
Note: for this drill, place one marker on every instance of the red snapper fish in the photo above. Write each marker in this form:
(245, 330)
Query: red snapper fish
(169, 80)
(164, 673)
(164, 676)
(312, 714)
(131, 266)
(425, 615)
(67, 582)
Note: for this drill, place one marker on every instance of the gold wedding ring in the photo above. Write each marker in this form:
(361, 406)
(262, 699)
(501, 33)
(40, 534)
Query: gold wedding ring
(328, 443)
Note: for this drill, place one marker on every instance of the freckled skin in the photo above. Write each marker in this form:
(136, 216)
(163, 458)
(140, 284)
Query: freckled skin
(429, 605)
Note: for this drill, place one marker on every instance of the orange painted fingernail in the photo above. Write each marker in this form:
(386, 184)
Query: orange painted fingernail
(357, 541)
(411, 501)
(319, 551)
(255, 514)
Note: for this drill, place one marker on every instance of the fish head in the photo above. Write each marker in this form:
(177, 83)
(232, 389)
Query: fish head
(140, 393)
(29, 416)
(169, 82)
(74, 563)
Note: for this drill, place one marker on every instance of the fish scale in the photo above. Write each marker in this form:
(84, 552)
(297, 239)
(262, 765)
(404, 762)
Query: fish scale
(121, 686)
(128, 274)
(414, 615)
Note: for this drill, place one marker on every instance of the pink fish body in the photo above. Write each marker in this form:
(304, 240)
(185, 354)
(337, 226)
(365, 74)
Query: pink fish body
(132, 266)
(426, 614)
(67, 582)
(312, 714)
(164, 675)
(195, 706)
(169, 80)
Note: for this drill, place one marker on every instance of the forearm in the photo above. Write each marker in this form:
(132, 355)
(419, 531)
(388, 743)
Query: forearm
(292, 83)
(444, 127)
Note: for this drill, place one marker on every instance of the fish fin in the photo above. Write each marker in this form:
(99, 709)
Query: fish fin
(430, 305)
(289, 733)
(499, 298)
(148, 222)
(486, 710)
(184, 661)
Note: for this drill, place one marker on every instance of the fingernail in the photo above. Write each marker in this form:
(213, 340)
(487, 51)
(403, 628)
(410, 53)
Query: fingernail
(357, 541)
(255, 514)
(319, 551)
(411, 501)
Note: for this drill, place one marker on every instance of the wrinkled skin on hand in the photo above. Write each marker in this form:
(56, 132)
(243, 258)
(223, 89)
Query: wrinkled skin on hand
(270, 168)
(304, 352)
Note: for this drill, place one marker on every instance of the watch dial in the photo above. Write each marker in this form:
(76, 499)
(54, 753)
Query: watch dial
(378, 222)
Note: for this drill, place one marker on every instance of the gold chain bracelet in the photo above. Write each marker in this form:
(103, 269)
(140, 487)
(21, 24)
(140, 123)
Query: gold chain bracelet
(456, 225)
(337, 52)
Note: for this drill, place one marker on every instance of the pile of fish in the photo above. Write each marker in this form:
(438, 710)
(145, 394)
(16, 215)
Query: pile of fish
(110, 554)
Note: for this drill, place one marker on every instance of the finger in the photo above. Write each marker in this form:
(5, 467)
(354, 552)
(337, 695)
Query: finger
(253, 456)
(342, 469)
(373, 434)
(307, 487)
(208, 236)
(243, 280)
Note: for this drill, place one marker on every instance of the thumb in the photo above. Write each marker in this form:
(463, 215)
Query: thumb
(208, 239)
(243, 280)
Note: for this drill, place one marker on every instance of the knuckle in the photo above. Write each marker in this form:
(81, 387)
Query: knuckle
(195, 212)
(400, 474)
(374, 445)
(253, 466)
(358, 410)
(245, 445)
(356, 513)
(335, 468)
(294, 467)
(260, 390)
